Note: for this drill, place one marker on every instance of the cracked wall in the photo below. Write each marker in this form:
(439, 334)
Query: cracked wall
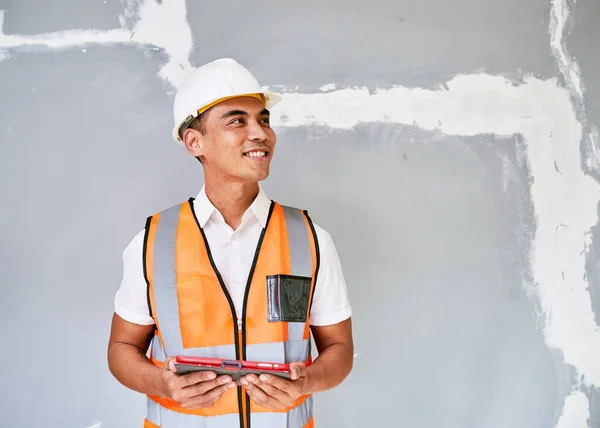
(455, 142)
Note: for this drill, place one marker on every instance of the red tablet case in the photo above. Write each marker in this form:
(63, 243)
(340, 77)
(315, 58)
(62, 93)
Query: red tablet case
(234, 368)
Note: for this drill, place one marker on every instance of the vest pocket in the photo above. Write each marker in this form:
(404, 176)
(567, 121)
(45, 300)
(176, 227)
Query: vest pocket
(288, 297)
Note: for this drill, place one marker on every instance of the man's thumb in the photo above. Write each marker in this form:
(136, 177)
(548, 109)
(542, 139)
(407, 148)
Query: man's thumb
(294, 371)
(170, 364)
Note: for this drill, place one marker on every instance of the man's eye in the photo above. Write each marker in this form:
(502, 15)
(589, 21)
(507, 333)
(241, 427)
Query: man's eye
(238, 121)
(266, 120)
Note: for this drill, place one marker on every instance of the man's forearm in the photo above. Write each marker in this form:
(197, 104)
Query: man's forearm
(130, 366)
(330, 368)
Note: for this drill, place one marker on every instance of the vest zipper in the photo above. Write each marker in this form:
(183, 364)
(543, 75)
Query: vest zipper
(242, 322)
(237, 331)
(240, 343)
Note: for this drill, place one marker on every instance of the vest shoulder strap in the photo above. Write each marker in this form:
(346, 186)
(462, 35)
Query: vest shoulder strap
(301, 231)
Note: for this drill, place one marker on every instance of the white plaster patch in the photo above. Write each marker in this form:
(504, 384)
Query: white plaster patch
(165, 25)
(3, 53)
(328, 87)
(593, 156)
(559, 16)
(575, 415)
(575, 411)
(162, 25)
(506, 172)
(65, 39)
(564, 198)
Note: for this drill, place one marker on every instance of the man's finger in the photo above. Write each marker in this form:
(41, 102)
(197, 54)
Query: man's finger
(210, 397)
(278, 394)
(202, 386)
(276, 381)
(197, 377)
(259, 396)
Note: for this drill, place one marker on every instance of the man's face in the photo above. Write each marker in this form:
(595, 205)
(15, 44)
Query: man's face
(238, 141)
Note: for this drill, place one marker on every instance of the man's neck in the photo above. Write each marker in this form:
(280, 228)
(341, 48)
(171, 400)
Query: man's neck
(231, 199)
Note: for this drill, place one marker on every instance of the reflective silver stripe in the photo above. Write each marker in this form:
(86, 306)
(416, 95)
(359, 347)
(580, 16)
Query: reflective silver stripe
(158, 352)
(164, 278)
(153, 412)
(221, 351)
(272, 351)
(297, 417)
(171, 419)
(279, 352)
(296, 349)
(268, 419)
(299, 244)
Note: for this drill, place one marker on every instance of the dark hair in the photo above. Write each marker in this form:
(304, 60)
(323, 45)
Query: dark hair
(199, 123)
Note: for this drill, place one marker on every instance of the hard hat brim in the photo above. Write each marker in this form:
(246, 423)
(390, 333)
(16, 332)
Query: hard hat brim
(271, 99)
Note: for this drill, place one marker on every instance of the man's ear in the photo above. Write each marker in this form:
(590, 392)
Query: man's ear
(193, 142)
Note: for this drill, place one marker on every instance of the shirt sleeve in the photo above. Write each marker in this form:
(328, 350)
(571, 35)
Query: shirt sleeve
(330, 301)
(131, 302)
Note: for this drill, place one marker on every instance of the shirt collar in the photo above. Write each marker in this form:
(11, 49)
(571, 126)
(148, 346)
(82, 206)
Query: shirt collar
(204, 209)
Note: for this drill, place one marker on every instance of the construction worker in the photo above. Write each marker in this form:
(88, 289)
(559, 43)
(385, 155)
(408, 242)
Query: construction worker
(232, 275)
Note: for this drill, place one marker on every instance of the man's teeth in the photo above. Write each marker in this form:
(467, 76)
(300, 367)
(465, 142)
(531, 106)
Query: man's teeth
(256, 154)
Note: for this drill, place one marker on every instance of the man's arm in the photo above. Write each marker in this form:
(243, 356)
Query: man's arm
(129, 364)
(127, 359)
(336, 356)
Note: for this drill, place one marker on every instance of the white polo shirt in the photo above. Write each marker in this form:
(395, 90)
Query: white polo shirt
(233, 253)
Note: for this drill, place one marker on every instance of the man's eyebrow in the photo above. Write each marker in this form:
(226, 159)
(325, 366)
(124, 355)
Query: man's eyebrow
(232, 113)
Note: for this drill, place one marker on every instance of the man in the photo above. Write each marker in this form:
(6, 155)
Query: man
(230, 274)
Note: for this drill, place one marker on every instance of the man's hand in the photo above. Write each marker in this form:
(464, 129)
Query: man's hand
(274, 392)
(193, 390)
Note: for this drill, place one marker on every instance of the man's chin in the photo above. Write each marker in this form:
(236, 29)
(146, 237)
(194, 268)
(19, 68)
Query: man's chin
(255, 177)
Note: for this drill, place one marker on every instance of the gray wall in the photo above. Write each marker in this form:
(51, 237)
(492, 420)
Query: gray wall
(481, 313)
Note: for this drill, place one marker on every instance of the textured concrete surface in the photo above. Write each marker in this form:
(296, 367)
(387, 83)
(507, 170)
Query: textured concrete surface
(456, 237)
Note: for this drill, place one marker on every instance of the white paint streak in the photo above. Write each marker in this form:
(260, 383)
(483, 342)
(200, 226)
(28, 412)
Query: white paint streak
(65, 39)
(163, 25)
(357, 354)
(506, 172)
(328, 87)
(3, 53)
(593, 158)
(559, 15)
(575, 411)
(577, 334)
(466, 107)
(564, 198)
(95, 425)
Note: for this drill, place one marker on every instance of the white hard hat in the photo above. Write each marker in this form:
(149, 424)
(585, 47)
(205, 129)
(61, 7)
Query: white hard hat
(212, 83)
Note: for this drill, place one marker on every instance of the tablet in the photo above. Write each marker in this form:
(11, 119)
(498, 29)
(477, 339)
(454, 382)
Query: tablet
(234, 368)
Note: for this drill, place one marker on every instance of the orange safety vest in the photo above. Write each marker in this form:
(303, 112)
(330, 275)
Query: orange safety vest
(195, 316)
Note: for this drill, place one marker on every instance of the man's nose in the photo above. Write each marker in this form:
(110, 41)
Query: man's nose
(256, 132)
